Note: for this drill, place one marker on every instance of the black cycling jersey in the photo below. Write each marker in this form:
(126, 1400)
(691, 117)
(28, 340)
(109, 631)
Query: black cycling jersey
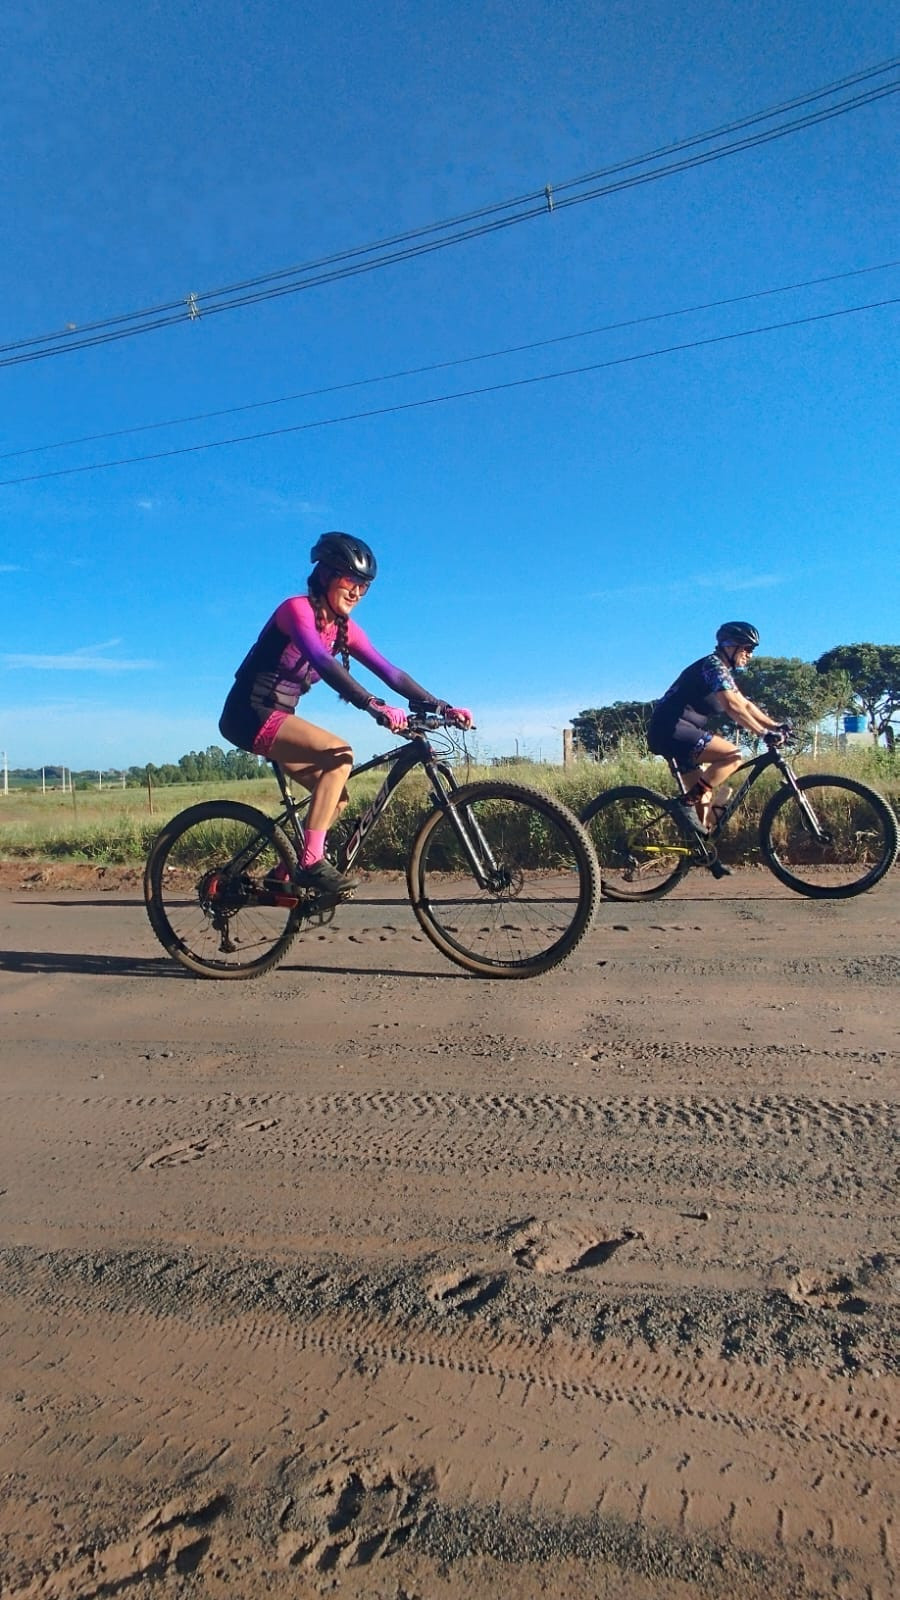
(678, 725)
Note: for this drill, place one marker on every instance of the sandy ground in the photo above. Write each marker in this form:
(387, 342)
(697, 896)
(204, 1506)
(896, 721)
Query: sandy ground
(370, 1278)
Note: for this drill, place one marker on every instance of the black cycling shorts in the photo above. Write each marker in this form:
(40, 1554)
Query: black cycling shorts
(682, 742)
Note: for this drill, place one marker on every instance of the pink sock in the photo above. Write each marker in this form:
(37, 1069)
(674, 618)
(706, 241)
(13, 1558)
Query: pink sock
(313, 846)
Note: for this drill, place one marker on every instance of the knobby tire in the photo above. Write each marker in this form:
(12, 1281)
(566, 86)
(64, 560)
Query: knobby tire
(544, 895)
(642, 851)
(188, 891)
(863, 843)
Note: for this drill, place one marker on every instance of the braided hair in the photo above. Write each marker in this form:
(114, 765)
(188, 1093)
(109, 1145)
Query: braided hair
(316, 588)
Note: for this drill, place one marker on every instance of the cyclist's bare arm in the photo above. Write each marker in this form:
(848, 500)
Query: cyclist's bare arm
(737, 708)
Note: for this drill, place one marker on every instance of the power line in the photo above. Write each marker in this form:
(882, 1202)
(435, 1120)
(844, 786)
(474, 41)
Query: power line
(442, 399)
(456, 361)
(471, 225)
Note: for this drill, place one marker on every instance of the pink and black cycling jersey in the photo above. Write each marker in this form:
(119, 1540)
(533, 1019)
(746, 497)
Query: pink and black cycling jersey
(678, 726)
(291, 655)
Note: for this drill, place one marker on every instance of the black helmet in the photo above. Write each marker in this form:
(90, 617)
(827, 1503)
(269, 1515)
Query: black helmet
(345, 555)
(738, 633)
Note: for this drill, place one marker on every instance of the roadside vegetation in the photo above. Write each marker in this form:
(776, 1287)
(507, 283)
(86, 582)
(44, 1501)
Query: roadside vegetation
(116, 826)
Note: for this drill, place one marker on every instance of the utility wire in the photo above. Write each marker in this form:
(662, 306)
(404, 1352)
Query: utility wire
(456, 361)
(474, 224)
(442, 399)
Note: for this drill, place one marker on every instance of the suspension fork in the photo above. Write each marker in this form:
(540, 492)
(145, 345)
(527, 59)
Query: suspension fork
(806, 810)
(483, 865)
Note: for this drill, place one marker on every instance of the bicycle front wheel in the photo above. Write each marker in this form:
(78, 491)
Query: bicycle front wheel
(203, 888)
(503, 879)
(833, 840)
(640, 847)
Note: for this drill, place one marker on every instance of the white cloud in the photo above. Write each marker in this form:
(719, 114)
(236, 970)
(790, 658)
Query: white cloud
(273, 502)
(733, 582)
(728, 582)
(85, 659)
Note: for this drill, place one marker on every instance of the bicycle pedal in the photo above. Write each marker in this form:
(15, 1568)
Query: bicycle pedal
(327, 902)
(276, 894)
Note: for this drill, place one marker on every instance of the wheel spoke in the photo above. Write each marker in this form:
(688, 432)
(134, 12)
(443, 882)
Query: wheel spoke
(540, 881)
(641, 850)
(836, 839)
(205, 893)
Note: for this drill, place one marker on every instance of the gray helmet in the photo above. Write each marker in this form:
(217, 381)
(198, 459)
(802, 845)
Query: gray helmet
(345, 555)
(738, 633)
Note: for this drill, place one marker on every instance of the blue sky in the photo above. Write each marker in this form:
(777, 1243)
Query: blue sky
(543, 548)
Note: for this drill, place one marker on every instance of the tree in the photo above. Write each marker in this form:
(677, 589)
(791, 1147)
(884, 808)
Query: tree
(241, 764)
(874, 674)
(795, 690)
(602, 730)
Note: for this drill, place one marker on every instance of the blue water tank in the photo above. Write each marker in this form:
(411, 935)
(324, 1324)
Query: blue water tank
(854, 724)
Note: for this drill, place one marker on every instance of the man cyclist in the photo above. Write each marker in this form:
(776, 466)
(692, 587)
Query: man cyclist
(679, 724)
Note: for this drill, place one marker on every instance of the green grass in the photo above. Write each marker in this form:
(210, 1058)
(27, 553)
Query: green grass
(116, 826)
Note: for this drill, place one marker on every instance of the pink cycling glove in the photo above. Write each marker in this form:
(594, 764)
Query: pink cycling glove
(389, 716)
(460, 715)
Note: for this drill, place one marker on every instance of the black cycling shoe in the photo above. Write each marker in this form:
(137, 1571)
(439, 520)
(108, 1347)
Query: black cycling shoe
(325, 881)
(719, 869)
(687, 815)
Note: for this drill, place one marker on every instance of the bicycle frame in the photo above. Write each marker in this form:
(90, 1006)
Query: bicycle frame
(754, 768)
(399, 761)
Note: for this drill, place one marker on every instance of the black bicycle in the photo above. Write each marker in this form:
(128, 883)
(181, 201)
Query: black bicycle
(823, 835)
(503, 879)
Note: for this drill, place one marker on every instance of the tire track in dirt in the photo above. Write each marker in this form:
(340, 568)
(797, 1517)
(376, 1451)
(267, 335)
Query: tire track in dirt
(783, 1112)
(880, 970)
(686, 1382)
(518, 1278)
(751, 1459)
(706, 1140)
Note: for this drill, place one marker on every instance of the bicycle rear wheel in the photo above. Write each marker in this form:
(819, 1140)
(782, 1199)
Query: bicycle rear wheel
(530, 896)
(833, 841)
(203, 887)
(641, 849)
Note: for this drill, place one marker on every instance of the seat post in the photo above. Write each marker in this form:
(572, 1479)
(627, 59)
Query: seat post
(282, 782)
(293, 810)
(676, 775)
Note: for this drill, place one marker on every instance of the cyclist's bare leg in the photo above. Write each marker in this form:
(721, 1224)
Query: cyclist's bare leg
(720, 759)
(308, 777)
(320, 761)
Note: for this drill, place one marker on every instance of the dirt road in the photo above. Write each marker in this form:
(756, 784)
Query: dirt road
(371, 1278)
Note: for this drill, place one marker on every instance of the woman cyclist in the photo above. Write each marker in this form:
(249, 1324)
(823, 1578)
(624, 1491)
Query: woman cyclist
(297, 647)
(678, 727)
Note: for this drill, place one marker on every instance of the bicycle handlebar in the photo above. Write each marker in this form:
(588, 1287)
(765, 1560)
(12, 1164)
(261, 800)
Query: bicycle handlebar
(425, 716)
(429, 723)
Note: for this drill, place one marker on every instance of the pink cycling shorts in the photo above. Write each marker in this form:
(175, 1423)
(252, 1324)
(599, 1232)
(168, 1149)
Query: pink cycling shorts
(268, 733)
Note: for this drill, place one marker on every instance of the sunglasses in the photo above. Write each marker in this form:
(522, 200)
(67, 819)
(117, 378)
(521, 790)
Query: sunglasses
(351, 585)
